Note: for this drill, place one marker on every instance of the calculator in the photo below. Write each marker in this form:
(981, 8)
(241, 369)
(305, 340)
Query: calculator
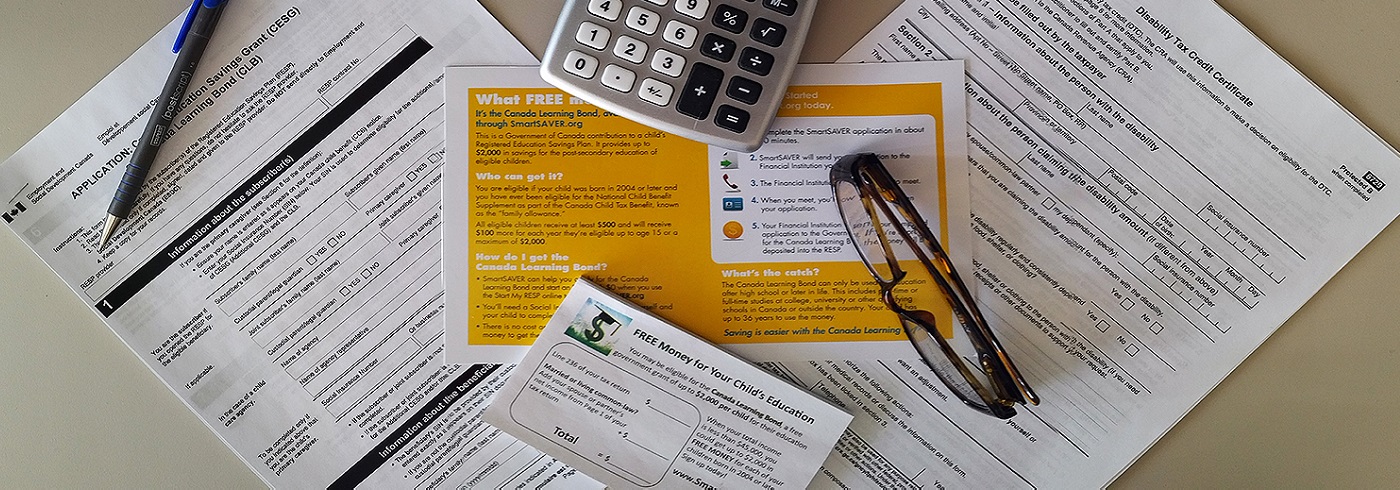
(714, 71)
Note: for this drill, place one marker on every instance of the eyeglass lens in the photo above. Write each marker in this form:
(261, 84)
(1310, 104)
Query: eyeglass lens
(940, 361)
(864, 231)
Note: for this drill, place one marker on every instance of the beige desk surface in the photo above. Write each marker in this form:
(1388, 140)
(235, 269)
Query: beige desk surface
(1314, 407)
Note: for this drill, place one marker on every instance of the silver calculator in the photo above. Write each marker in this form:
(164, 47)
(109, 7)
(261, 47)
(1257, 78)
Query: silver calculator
(714, 71)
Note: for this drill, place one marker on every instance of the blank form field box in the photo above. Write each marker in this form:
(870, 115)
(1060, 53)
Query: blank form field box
(1102, 325)
(1127, 303)
(1156, 327)
(1132, 350)
(636, 428)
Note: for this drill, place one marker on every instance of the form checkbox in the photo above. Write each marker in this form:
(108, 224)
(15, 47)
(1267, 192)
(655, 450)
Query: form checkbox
(1132, 350)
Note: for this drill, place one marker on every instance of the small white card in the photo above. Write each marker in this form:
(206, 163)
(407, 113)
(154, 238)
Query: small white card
(636, 402)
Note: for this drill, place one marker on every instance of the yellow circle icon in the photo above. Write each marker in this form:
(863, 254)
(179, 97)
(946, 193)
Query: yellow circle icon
(733, 230)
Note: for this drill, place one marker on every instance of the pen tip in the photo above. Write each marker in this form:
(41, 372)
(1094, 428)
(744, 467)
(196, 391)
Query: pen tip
(107, 231)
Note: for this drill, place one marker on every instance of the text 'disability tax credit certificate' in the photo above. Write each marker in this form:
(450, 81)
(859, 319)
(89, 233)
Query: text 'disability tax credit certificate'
(744, 249)
(1153, 191)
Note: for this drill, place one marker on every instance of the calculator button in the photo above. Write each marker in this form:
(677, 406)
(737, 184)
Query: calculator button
(718, 47)
(657, 2)
(630, 49)
(655, 91)
(785, 7)
(643, 20)
(768, 32)
(619, 78)
(732, 118)
(593, 35)
(607, 9)
(755, 61)
(580, 64)
(694, 9)
(744, 90)
(730, 19)
(680, 34)
(667, 63)
(700, 90)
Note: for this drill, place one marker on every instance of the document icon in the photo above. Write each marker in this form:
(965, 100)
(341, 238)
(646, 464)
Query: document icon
(733, 204)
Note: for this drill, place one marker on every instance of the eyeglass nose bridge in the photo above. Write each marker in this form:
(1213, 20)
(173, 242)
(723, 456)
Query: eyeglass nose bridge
(887, 296)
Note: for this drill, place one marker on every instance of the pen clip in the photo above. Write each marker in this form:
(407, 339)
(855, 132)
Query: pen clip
(189, 20)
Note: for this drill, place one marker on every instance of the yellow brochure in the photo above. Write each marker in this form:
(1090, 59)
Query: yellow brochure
(745, 249)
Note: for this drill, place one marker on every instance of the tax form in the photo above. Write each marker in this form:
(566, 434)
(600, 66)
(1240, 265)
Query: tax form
(1153, 193)
(281, 273)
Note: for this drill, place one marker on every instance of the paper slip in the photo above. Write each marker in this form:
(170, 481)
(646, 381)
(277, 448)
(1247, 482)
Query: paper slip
(636, 402)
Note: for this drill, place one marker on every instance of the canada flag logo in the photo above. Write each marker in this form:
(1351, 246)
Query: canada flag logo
(13, 213)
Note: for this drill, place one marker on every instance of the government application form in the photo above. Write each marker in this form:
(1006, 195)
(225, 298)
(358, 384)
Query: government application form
(1153, 192)
(281, 272)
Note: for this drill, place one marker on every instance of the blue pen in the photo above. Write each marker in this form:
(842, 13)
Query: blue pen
(189, 44)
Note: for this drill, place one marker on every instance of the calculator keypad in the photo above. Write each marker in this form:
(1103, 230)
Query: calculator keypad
(719, 63)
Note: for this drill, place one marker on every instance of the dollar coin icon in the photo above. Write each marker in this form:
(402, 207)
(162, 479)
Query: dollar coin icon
(733, 230)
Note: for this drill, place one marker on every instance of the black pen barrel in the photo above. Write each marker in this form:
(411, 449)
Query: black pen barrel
(163, 114)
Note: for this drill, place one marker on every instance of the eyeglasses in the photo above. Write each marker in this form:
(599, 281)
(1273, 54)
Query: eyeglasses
(882, 221)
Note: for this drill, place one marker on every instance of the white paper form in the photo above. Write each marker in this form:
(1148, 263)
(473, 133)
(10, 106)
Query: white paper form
(281, 272)
(1154, 193)
(637, 402)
